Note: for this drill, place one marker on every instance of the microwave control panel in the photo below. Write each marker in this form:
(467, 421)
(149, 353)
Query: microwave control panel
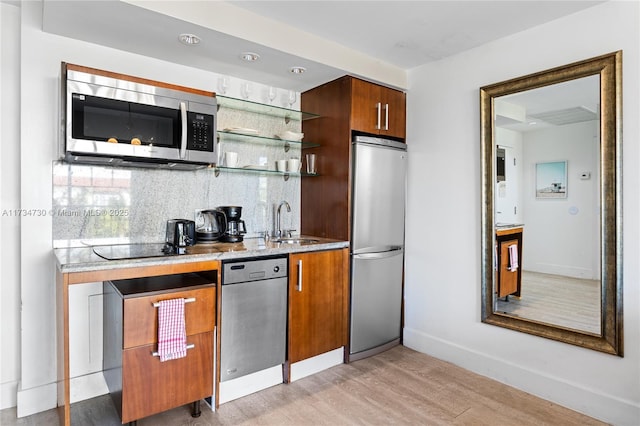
(200, 132)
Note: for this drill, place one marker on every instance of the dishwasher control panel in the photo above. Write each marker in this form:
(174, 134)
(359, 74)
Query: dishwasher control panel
(253, 269)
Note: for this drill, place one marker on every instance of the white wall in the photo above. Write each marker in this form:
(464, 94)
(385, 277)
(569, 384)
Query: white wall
(10, 199)
(442, 297)
(561, 235)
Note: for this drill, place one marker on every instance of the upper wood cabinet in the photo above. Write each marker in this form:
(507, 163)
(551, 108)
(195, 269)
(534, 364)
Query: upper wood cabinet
(344, 105)
(378, 110)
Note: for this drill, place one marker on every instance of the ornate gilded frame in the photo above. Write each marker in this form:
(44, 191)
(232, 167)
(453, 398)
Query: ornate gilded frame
(609, 68)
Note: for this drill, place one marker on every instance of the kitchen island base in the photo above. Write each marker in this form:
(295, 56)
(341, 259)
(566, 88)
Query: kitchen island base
(140, 383)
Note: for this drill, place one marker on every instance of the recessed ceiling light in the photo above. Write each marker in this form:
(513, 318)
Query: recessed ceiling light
(189, 39)
(249, 56)
(297, 70)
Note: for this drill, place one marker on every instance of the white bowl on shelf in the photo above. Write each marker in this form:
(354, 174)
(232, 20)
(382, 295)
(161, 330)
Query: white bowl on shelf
(291, 136)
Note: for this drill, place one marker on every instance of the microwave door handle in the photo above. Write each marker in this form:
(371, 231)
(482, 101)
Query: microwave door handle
(183, 136)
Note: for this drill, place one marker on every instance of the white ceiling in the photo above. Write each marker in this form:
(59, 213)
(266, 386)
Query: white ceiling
(377, 40)
(412, 33)
(569, 102)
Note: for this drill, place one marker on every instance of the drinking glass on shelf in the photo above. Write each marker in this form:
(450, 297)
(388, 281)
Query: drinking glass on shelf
(272, 93)
(245, 90)
(311, 164)
(292, 98)
(223, 84)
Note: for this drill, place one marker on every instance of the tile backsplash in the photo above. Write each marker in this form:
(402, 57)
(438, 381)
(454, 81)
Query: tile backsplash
(101, 204)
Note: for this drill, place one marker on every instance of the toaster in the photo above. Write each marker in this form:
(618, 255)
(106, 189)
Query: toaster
(181, 233)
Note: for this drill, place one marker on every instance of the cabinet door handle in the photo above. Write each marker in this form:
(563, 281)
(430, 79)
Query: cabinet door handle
(299, 287)
(378, 109)
(187, 300)
(386, 116)
(190, 346)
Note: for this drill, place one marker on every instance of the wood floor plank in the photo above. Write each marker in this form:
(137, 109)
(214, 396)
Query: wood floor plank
(397, 387)
(555, 299)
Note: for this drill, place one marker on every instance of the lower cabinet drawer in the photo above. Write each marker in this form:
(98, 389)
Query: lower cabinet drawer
(150, 386)
(141, 317)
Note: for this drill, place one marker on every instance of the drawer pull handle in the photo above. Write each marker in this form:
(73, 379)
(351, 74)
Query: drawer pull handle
(191, 346)
(191, 299)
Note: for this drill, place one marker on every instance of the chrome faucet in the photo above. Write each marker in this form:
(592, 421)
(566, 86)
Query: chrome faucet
(278, 233)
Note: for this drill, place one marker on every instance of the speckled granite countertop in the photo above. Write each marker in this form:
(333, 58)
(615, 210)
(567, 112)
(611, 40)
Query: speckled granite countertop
(83, 259)
(509, 225)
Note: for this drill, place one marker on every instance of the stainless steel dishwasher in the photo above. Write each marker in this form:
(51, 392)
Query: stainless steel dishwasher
(254, 315)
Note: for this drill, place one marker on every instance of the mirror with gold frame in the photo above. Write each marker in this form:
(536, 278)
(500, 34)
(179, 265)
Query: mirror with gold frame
(551, 203)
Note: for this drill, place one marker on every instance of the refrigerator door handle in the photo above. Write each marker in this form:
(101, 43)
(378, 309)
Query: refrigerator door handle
(378, 255)
(377, 249)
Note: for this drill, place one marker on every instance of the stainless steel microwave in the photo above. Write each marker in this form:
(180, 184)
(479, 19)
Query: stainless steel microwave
(114, 119)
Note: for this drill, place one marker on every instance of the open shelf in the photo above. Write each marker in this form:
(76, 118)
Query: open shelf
(264, 109)
(225, 136)
(252, 170)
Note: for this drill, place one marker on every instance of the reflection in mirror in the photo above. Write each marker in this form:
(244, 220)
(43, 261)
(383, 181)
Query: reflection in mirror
(547, 170)
(550, 204)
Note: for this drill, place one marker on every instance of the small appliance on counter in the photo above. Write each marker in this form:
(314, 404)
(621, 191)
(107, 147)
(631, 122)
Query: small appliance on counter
(211, 224)
(181, 233)
(235, 226)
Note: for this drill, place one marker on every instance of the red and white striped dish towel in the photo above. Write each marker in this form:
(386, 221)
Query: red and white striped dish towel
(172, 335)
(513, 257)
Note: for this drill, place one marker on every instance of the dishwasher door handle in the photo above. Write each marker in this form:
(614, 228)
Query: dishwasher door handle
(299, 286)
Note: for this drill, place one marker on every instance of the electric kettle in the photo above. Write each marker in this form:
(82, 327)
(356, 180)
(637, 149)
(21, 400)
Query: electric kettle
(210, 225)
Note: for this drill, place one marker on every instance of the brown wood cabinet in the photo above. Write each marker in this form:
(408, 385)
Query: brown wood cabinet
(508, 279)
(377, 109)
(139, 383)
(318, 303)
(344, 105)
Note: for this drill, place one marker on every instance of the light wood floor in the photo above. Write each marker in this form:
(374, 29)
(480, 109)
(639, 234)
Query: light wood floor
(555, 299)
(397, 387)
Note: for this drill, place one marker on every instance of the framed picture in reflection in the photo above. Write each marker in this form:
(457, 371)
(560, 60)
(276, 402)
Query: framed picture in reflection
(551, 180)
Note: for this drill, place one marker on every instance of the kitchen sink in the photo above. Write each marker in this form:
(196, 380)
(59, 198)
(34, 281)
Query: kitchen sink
(295, 240)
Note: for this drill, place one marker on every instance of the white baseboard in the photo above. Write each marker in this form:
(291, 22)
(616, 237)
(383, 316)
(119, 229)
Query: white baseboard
(43, 398)
(8, 395)
(565, 270)
(36, 400)
(316, 364)
(246, 385)
(88, 386)
(243, 386)
(604, 407)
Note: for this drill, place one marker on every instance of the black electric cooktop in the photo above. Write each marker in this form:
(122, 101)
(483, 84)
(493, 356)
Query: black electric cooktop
(131, 251)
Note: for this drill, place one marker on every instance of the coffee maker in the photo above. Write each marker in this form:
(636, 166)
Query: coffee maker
(235, 226)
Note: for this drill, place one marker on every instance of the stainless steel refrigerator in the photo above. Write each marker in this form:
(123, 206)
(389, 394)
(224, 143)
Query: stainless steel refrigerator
(377, 244)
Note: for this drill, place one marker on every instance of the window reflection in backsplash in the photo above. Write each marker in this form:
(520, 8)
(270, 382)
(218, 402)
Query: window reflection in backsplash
(106, 205)
(90, 202)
